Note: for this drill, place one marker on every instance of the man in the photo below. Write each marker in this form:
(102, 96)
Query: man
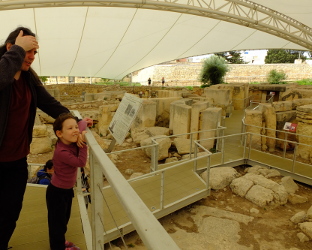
(21, 93)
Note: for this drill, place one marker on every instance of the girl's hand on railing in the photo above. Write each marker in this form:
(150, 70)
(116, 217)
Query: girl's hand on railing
(81, 141)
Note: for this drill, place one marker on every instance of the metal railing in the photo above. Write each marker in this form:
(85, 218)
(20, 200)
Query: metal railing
(150, 230)
(287, 162)
(286, 134)
(255, 104)
(228, 150)
(239, 149)
(194, 143)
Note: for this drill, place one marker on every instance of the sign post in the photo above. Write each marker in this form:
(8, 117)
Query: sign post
(123, 118)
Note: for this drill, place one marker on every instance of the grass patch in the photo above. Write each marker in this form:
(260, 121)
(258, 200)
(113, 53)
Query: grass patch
(118, 83)
(305, 82)
(189, 87)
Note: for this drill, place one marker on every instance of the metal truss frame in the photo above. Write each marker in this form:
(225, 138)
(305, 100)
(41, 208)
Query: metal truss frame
(241, 12)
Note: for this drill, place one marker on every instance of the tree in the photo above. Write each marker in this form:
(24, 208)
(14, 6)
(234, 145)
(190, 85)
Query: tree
(283, 56)
(233, 57)
(276, 77)
(213, 70)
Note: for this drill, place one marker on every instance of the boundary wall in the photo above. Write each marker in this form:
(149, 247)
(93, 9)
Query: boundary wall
(187, 73)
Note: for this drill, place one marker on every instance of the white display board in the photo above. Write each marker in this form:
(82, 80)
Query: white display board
(124, 116)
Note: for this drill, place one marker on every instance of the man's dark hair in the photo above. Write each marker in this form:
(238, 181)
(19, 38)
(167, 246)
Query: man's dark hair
(12, 37)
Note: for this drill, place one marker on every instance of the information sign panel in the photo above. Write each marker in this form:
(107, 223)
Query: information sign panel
(291, 127)
(124, 116)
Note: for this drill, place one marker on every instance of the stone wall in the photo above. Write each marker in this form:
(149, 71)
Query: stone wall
(184, 111)
(187, 74)
(75, 92)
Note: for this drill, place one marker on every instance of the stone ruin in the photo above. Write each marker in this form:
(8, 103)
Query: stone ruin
(265, 188)
(183, 111)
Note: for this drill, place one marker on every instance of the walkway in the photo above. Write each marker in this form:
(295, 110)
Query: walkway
(182, 186)
(31, 232)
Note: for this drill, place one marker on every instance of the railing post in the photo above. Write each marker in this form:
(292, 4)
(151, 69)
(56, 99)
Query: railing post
(294, 159)
(191, 146)
(219, 134)
(244, 144)
(285, 139)
(97, 221)
(208, 173)
(249, 146)
(154, 155)
(195, 156)
(243, 130)
(162, 190)
(222, 149)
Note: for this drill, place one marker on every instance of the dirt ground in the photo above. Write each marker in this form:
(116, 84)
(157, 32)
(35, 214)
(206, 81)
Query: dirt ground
(271, 229)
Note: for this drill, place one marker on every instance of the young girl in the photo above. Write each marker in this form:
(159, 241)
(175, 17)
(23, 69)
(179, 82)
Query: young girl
(66, 160)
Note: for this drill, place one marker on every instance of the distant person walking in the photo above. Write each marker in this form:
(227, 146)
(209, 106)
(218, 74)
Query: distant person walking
(149, 81)
(163, 81)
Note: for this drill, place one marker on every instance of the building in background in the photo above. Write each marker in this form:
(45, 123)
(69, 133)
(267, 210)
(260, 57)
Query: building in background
(249, 56)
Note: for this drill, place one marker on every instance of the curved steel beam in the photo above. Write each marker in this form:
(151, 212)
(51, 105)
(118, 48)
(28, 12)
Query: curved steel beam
(241, 12)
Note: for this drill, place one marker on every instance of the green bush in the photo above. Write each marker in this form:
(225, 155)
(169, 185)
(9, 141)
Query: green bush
(276, 77)
(213, 71)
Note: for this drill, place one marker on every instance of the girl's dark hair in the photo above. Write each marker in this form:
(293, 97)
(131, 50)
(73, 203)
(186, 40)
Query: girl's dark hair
(58, 123)
(11, 39)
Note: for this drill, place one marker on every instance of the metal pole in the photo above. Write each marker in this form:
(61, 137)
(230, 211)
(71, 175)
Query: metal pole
(208, 173)
(294, 158)
(195, 157)
(162, 189)
(191, 146)
(249, 147)
(222, 150)
(97, 211)
(285, 139)
(244, 145)
(154, 156)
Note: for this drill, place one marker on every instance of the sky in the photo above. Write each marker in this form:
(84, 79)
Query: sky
(257, 56)
(249, 56)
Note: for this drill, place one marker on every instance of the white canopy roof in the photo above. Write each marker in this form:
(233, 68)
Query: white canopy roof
(111, 39)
